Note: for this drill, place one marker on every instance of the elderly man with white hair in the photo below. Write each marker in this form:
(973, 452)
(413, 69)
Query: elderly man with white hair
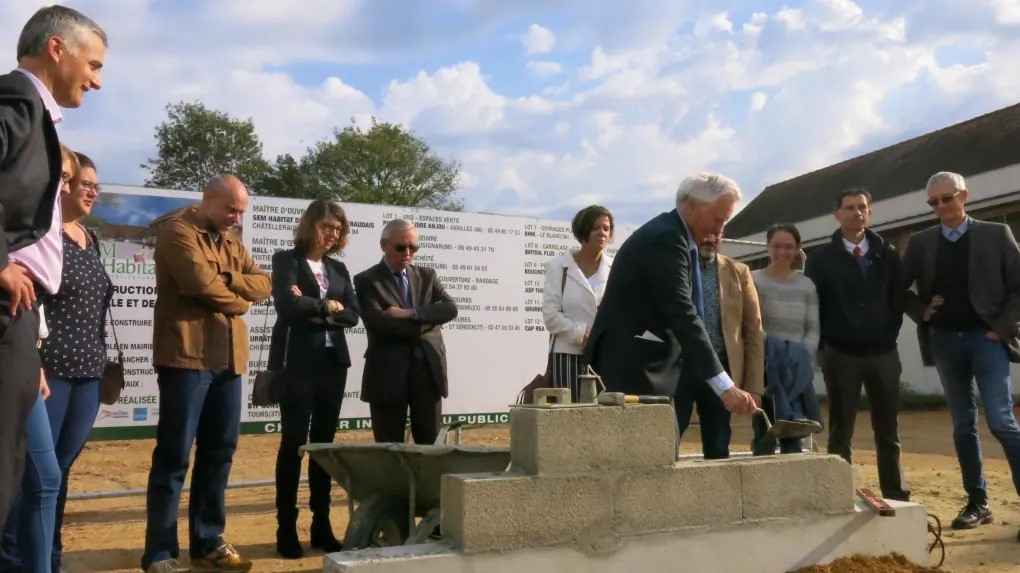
(649, 336)
(967, 307)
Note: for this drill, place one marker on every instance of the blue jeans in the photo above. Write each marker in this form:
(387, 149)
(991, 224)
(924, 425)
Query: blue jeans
(962, 358)
(34, 513)
(197, 407)
(71, 410)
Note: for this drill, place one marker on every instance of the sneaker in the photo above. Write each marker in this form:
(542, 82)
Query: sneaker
(226, 558)
(972, 516)
(164, 566)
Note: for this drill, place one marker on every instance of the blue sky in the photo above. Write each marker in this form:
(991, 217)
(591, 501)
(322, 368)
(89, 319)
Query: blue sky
(553, 105)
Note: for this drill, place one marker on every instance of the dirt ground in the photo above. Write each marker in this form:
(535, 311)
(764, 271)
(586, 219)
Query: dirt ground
(108, 534)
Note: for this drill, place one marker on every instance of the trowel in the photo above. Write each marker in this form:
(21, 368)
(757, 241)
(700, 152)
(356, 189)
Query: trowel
(789, 428)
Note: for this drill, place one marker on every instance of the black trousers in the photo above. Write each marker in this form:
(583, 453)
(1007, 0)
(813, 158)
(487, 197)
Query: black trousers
(425, 405)
(19, 388)
(713, 417)
(880, 376)
(309, 411)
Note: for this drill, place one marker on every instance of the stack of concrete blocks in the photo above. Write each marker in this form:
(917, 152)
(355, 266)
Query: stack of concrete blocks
(600, 488)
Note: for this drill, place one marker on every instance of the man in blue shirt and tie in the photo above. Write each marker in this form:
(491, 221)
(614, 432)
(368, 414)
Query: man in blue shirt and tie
(649, 336)
(403, 306)
(967, 308)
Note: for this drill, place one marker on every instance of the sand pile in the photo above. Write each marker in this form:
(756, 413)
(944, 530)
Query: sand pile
(893, 563)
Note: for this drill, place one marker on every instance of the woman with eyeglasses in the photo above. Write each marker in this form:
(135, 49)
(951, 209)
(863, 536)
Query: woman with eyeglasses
(315, 303)
(73, 357)
(789, 317)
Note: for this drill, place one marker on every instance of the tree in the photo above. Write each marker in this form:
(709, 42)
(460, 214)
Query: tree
(196, 143)
(385, 165)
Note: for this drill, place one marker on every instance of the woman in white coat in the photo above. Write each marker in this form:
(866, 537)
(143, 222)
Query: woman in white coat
(574, 284)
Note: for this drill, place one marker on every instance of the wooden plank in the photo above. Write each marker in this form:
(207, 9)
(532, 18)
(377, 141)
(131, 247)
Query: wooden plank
(875, 502)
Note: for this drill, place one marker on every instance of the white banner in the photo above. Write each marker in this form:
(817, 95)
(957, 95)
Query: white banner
(492, 265)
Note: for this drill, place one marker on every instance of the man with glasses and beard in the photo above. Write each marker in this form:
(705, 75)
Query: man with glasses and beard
(967, 308)
(403, 307)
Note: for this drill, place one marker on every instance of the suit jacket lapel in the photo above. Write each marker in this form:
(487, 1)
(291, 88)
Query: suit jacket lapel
(973, 253)
(389, 283)
(334, 278)
(727, 282)
(305, 271)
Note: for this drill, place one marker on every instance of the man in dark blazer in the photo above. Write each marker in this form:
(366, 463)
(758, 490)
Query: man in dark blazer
(59, 55)
(648, 336)
(966, 303)
(403, 307)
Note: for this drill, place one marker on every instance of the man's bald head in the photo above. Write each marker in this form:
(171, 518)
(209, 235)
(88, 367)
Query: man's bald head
(224, 200)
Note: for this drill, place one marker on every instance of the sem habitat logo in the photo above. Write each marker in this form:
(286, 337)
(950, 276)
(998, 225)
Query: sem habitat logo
(127, 226)
(140, 414)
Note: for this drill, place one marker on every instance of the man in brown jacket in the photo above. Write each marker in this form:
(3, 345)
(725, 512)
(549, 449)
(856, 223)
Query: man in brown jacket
(205, 282)
(732, 320)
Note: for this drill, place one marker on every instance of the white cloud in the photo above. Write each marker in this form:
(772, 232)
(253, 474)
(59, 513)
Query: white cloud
(718, 22)
(538, 40)
(664, 89)
(758, 100)
(544, 68)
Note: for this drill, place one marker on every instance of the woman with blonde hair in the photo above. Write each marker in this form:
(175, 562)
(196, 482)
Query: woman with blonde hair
(315, 303)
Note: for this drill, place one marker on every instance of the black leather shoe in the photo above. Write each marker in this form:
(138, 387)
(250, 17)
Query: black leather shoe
(972, 516)
(322, 535)
(287, 544)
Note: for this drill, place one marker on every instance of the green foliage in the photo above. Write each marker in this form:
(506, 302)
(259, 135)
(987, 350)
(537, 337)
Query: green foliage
(196, 143)
(385, 164)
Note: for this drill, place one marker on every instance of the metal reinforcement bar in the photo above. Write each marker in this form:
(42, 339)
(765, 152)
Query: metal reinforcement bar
(141, 492)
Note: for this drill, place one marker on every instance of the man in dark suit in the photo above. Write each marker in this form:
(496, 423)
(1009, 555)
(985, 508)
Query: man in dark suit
(648, 336)
(403, 307)
(967, 308)
(60, 52)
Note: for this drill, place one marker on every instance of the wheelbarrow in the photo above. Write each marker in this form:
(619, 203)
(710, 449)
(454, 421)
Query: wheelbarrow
(390, 485)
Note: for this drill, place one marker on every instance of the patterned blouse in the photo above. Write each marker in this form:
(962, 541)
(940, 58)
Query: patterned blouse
(76, 346)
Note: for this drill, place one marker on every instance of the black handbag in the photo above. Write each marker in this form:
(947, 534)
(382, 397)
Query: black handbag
(544, 380)
(270, 384)
(112, 382)
(113, 372)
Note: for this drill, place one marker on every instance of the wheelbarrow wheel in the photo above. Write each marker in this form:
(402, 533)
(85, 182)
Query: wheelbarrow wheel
(378, 522)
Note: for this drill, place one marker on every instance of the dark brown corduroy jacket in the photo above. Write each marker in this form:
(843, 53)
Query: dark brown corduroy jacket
(202, 291)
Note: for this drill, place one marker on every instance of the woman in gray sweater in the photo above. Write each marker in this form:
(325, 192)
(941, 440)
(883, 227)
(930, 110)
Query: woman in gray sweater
(789, 315)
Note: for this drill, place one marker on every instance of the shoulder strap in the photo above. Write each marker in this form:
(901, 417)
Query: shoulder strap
(563, 286)
(109, 310)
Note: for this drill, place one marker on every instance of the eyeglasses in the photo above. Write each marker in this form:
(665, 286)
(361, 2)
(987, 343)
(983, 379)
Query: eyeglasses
(335, 229)
(91, 186)
(65, 176)
(404, 248)
(945, 199)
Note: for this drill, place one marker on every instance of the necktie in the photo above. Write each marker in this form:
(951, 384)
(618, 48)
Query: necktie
(859, 257)
(696, 282)
(405, 290)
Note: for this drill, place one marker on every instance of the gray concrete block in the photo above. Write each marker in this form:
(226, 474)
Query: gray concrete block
(796, 485)
(487, 512)
(689, 494)
(582, 439)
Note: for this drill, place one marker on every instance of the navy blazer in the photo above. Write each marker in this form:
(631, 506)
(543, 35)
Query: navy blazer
(29, 165)
(648, 297)
(307, 317)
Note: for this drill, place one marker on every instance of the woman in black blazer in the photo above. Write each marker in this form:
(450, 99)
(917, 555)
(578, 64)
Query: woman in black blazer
(315, 302)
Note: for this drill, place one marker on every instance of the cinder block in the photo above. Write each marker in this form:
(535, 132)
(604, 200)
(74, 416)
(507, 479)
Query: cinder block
(796, 485)
(487, 512)
(582, 439)
(688, 494)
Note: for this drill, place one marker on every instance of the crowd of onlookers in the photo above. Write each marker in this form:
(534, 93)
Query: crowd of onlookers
(670, 315)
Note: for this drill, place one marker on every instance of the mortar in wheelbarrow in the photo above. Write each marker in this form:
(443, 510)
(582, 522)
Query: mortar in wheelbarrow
(387, 480)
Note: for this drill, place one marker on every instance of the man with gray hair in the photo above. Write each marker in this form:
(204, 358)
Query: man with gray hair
(403, 306)
(60, 52)
(648, 336)
(966, 303)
